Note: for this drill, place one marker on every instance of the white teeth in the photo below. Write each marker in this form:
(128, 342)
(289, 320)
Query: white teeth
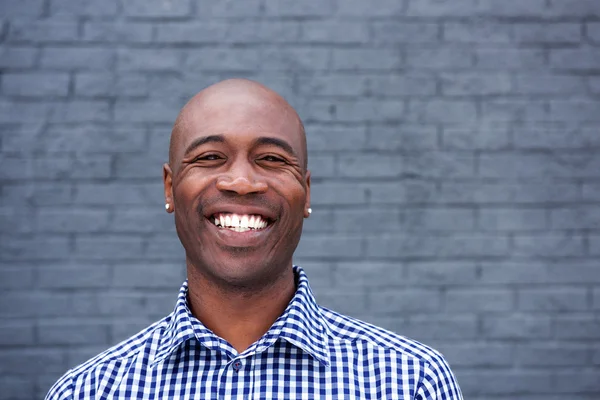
(239, 223)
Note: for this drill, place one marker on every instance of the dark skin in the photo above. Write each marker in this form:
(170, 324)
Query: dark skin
(238, 147)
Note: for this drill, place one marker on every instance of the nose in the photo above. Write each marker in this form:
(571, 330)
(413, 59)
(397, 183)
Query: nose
(241, 179)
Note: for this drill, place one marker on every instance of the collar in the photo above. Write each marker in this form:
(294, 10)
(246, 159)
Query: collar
(301, 324)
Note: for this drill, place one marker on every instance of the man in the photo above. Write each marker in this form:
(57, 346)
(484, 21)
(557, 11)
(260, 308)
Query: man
(246, 325)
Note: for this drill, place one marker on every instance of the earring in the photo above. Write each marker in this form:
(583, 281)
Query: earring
(167, 206)
(309, 210)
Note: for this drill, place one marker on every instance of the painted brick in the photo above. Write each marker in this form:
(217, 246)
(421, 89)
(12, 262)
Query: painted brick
(402, 32)
(17, 57)
(584, 58)
(325, 246)
(290, 8)
(80, 58)
(27, 8)
(478, 355)
(108, 247)
(438, 58)
(229, 8)
(358, 8)
(509, 193)
(538, 165)
(325, 138)
(405, 301)
(469, 84)
(42, 31)
(365, 220)
(402, 85)
(148, 276)
(548, 244)
(17, 333)
(442, 273)
(421, 245)
(320, 32)
(542, 84)
(434, 326)
(35, 84)
(72, 332)
(576, 327)
(442, 111)
(366, 59)
(71, 220)
(430, 219)
(157, 111)
(404, 192)
(557, 300)
(150, 59)
(517, 327)
(404, 137)
(510, 59)
(554, 33)
(117, 32)
(478, 300)
(89, 8)
(527, 273)
(156, 8)
(512, 220)
(475, 139)
(553, 355)
(226, 59)
(583, 217)
(368, 274)
(487, 32)
(91, 275)
(593, 31)
(355, 111)
(336, 194)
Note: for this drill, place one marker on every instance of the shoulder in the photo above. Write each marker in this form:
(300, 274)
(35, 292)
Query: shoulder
(124, 352)
(347, 329)
(436, 380)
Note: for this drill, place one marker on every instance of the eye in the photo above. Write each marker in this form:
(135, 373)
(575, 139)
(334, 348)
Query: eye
(272, 158)
(208, 157)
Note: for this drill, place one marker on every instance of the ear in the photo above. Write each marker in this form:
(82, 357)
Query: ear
(168, 186)
(307, 202)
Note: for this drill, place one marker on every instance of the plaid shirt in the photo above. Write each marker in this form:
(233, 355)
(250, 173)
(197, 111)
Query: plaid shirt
(309, 352)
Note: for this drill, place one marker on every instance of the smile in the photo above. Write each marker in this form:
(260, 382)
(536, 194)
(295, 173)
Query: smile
(239, 222)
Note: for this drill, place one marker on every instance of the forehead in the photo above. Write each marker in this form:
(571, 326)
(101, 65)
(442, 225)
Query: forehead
(240, 119)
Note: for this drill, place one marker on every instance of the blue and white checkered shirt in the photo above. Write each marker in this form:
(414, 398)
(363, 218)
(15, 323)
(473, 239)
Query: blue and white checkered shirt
(310, 352)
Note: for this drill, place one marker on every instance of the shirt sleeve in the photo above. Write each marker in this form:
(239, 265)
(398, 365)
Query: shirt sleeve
(438, 382)
(62, 389)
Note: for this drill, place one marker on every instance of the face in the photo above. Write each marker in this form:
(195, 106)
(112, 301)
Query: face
(238, 187)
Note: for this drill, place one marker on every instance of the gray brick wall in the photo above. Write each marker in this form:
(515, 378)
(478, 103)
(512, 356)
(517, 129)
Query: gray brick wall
(454, 148)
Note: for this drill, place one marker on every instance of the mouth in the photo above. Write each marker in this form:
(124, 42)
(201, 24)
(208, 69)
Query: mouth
(240, 222)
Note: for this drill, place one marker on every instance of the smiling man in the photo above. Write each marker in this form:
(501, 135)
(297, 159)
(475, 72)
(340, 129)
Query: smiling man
(246, 324)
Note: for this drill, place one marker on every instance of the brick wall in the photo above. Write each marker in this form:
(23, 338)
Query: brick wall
(454, 148)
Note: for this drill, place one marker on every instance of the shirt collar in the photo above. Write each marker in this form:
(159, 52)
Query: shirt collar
(301, 324)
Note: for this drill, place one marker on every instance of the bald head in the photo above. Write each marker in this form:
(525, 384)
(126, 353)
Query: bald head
(240, 101)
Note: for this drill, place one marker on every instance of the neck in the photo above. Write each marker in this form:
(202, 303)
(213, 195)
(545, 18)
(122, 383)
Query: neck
(240, 315)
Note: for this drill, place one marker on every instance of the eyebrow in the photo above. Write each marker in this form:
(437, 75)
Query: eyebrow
(282, 144)
(264, 140)
(203, 140)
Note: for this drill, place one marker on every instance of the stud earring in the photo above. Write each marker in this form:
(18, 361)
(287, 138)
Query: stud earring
(167, 206)
(309, 211)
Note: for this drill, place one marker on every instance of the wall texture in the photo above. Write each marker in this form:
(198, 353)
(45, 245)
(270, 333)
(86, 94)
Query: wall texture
(454, 148)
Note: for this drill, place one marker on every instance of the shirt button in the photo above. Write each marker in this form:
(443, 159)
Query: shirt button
(237, 365)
